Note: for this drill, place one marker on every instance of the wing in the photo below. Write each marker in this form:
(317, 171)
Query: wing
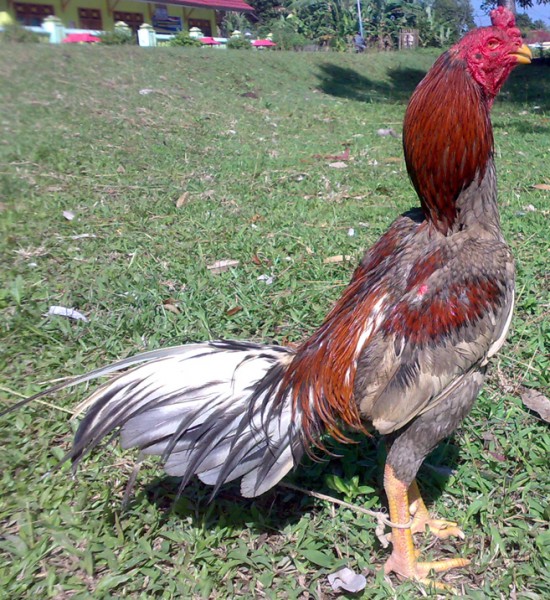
(449, 322)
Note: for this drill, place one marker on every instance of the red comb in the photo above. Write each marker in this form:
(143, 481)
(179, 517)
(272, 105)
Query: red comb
(503, 18)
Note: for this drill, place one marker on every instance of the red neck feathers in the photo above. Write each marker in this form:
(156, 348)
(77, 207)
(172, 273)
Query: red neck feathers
(447, 134)
(447, 138)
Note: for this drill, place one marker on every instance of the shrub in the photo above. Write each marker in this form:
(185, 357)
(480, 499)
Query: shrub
(15, 34)
(238, 43)
(118, 38)
(184, 39)
(285, 35)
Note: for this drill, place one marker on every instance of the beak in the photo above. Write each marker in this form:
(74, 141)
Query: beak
(523, 55)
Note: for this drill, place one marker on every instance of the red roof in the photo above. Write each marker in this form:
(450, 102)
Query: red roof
(538, 36)
(232, 5)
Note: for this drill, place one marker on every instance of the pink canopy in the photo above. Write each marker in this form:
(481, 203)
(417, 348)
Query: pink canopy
(263, 43)
(81, 38)
(209, 41)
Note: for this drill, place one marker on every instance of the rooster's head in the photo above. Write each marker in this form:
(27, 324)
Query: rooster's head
(492, 52)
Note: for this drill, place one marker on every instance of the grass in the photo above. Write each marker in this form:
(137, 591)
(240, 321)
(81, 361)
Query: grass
(240, 138)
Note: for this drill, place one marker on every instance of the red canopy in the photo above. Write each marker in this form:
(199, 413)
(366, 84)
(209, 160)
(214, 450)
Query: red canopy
(81, 38)
(263, 43)
(209, 41)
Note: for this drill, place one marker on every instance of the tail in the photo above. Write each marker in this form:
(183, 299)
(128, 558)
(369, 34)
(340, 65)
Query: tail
(214, 410)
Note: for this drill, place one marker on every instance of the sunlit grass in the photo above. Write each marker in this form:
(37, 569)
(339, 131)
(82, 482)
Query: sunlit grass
(117, 136)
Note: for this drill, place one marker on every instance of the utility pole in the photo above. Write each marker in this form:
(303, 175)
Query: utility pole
(509, 4)
(360, 17)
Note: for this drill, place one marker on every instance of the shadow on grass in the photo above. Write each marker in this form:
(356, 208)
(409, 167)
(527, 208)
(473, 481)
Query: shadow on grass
(345, 82)
(528, 85)
(272, 511)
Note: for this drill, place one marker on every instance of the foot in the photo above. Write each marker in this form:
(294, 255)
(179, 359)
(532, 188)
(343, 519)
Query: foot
(404, 557)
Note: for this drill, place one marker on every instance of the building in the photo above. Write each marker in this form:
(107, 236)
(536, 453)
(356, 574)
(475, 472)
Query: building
(169, 16)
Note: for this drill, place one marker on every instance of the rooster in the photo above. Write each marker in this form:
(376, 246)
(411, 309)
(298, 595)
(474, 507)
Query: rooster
(405, 349)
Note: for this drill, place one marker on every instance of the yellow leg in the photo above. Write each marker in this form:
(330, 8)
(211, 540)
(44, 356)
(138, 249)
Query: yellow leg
(403, 559)
(421, 518)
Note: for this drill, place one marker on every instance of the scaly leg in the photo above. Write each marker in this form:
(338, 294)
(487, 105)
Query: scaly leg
(403, 559)
(421, 518)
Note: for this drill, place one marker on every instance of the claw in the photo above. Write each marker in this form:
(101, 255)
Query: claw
(441, 528)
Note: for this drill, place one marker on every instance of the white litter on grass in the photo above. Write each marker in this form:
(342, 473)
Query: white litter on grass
(351, 232)
(69, 313)
(145, 91)
(386, 132)
(68, 214)
(82, 236)
(347, 580)
(267, 278)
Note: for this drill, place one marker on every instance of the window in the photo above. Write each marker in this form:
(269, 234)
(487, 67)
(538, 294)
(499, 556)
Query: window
(32, 14)
(133, 20)
(90, 18)
(203, 24)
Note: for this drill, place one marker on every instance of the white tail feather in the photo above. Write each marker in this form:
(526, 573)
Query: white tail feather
(212, 410)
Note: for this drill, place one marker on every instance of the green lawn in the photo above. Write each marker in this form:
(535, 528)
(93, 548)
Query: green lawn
(243, 140)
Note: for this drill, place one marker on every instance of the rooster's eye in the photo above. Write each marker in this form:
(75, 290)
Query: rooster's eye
(493, 44)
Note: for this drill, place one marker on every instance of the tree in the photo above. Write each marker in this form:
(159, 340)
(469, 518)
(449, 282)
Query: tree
(458, 14)
(525, 23)
(266, 10)
(511, 4)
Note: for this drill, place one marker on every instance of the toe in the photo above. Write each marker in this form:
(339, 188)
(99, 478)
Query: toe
(445, 529)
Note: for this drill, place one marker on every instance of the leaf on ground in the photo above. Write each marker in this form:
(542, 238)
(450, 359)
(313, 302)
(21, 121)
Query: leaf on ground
(337, 259)
(222, 265)
(338, 165)
(233, 311)
(542, 186)
(182, 200)
(69, 313)
(347, 580)
(343, 156)
(535, 400)
(170, 304)
(68, 214)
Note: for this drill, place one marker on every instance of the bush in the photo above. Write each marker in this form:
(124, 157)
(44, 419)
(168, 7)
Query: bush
(15, 34)
(118, 38)
(238, 43)
(184, 39)
(286, 37)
